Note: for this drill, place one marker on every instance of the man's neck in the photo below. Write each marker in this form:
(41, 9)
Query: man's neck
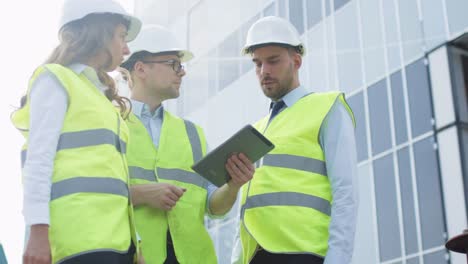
(152, 102)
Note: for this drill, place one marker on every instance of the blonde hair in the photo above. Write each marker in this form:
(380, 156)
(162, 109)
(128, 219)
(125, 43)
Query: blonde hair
(83, 39)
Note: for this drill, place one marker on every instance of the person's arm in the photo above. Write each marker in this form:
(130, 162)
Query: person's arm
(241, 170)
(162, 196)
(337, 140)
(48, 107)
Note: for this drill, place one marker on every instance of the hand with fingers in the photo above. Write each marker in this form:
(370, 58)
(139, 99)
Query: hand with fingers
(140, 259)
(163, 196)
(240, 168)
(38, 248)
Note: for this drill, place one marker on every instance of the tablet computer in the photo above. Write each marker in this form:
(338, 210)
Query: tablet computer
(247, 140)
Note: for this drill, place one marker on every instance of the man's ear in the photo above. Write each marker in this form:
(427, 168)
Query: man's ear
(139, 69)
(297, 59)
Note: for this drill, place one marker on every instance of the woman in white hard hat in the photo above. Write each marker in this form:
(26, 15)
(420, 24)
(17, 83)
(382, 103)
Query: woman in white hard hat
(76, 202)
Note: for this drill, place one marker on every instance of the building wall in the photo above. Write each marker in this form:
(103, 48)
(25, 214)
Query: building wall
(386, 56)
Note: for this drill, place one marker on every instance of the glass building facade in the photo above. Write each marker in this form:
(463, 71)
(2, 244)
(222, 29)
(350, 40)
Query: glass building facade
(403, 65)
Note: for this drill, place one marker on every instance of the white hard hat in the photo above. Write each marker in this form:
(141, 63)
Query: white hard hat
(157, 39)
(273, 30)
(77, 9)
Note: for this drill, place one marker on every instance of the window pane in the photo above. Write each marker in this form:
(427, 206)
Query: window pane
(340, 3)
(411, 33)
(419, 98)
(282, 8)
(379, 117)
(456, 14)
(429, 194)
(212, 65)
(407, 201)
(399, 108)
(230, 46)
(228, 72)
(435, 258)
(269, 10)
(316, 58)
(229, 60)
(391, 35)
(372, 40)
(327, 7)
(462, 91)
(246, 62)
(412, 261)
(296, 16)
(347, 48)
(313, 12)
(433, 22)
(357, 104)
(464, 150)
(331, 58)
(365, 246)
(198, 76)
(387, 211)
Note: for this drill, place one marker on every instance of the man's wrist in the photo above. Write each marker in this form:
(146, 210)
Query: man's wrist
(232, 187)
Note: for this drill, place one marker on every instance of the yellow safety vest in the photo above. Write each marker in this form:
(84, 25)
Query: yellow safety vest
(286, 206)
(89, 204)
(181, 144)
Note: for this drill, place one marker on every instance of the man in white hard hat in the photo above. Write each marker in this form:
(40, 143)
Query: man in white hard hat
(300, 206)
(170, 198)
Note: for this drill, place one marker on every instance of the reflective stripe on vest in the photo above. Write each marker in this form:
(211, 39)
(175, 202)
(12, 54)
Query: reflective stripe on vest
(86, 138)
(288, 199)
(182, 176)
(88, 185)
(90, 138)
(140, 173)
(295, 162)
(174, 174)
(194, 139)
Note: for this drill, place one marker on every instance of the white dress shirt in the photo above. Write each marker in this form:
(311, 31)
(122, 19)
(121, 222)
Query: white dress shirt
(48, 106)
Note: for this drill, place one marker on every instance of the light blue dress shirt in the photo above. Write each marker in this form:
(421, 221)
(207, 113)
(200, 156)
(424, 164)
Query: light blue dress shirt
(153, 124)
(338, 142)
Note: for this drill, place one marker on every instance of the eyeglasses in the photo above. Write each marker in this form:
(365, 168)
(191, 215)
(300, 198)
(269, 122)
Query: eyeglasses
(176, 66)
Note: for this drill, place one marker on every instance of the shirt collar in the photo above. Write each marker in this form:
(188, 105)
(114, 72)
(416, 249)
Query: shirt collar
(89, 72)
(141, 109)
(294, 95)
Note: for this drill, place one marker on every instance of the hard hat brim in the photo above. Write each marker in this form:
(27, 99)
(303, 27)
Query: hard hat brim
(133, 28)
(185, 55)
(248, 49)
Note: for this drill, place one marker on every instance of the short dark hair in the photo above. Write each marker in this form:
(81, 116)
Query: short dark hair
(129, 64)
(134, 58)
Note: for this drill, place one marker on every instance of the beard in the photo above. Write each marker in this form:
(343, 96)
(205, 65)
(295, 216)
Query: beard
(275, 88)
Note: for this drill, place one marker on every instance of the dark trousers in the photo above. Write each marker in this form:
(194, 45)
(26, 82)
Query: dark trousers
(104, 257)
(265, 257)
(171, 257)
